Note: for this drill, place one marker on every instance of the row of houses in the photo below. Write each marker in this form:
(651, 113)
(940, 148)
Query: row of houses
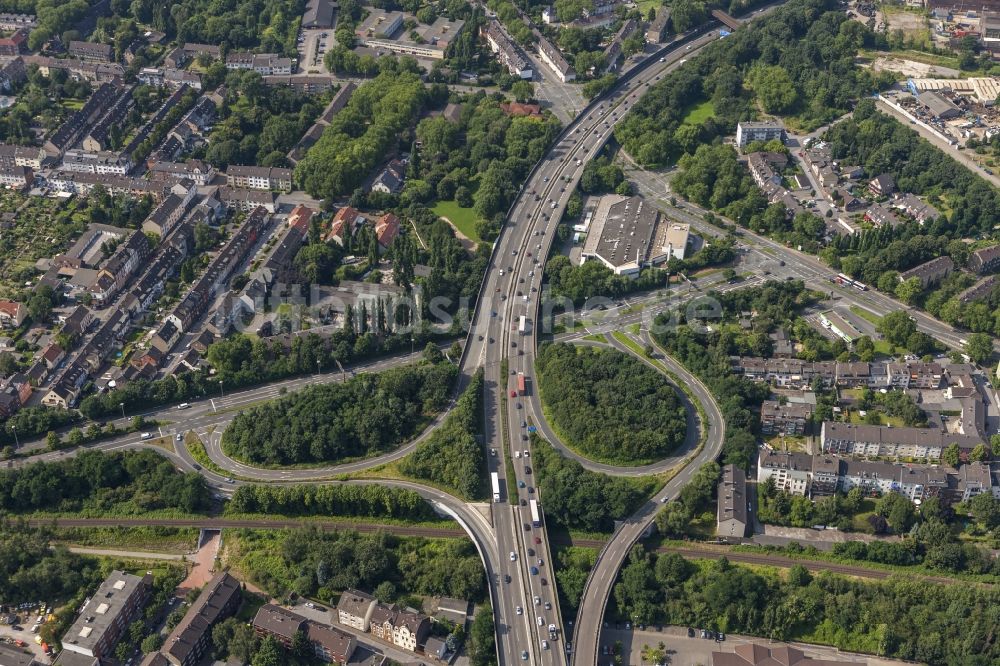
(404, 628)
(795, 373)
(95, 72)
(259, 178)
(79, 122)
(314, 133)
(823, 475)
(765, 168)
(265, 64)
(510, 55)
(887, 442)
(329, 644)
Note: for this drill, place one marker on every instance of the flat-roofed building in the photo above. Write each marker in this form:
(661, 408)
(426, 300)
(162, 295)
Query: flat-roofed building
(749, 131)
(790, 418)
(107, 614)
(259, 178)
(732, 503)
(623, 235)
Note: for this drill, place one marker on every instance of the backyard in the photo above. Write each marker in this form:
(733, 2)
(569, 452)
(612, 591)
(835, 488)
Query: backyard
(42, 227)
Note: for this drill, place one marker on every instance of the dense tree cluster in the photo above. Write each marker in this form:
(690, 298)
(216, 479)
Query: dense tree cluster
(30, 569)
(706, 354)
(798, 60)
(361, 134)
(487, 151)
(271, 25)
(368, 501)
(34, 421)
(452, 454)
(713, 177)
(576, 498)
(323, 564)
(592, 278)
(881, 144)
(364, 416)
(242, 360)
(259, 124)
(900, 618)
(122, 482)
(695, 497)
(38, 102)
(609, 405)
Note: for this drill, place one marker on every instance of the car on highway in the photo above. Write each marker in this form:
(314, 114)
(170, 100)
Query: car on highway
(533, 570)
(548, 606)
(538, 600)
(184, 405)
(513, 556)
(540, 621)
(526, 453)
(521, 484)
(146, 435)
(519, 610)
(538, 540)
(545, 645)
(179, 437)
(524, 655)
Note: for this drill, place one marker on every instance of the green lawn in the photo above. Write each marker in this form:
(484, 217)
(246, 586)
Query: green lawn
(699, 113)
(464, 219)
(866, 314)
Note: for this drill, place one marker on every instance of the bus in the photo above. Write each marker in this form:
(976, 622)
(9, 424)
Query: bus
(536, 518)
(495, 481)
(522, 326)
(521, 388)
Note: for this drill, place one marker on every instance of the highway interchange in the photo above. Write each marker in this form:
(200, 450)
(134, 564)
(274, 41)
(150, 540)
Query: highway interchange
(511, 548)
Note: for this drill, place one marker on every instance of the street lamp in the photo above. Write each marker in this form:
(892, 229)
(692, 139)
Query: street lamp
(221, 392)
(122, 405)
(317, 367)
(17, 444)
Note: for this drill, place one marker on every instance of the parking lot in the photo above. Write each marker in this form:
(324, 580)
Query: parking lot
(313, 48)
(684, 651)
(23, 636)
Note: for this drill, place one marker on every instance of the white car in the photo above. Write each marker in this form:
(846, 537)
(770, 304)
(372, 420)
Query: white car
(545, 645)
(513, 556)
(519, 610)
(538, 600)
(517, 454)
(540, 620)
(526, 453)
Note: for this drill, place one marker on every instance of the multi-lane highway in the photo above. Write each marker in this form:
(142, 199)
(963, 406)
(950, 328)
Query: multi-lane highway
(528, 602)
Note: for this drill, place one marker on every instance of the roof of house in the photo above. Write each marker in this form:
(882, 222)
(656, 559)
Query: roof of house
(338, 643)
(278, 621)
(354, 602)
(386, 229)
(732, 500)
(207, 609)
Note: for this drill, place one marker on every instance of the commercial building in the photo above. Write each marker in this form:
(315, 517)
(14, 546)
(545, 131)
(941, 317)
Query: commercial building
(747, 132)
(839, 326)
(188, 641)
(382, 30)
(750, 654)
(931, 272)
(13, 656)
(790, 418)
(106, 616)
(732, 503)
(379, 25)
(627, 234)
(939, 106)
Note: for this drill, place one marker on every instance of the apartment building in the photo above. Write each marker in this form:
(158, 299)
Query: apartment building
(100, 162)
(510, 55)
(354, 609)
(187, 643)
(119, 268)
(985, 260)
(16, 177)
(106, 616)
(403, 628)
(259, 178)
(329, 644)
(554, 59)
(732, 503)
(791, 471)
(790, 418)
(748, 131)
(931, 272)
(885, 442)
(91, 52)
(265, 64)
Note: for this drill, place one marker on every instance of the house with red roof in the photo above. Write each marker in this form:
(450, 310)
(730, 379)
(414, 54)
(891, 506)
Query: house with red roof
(386, 229)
